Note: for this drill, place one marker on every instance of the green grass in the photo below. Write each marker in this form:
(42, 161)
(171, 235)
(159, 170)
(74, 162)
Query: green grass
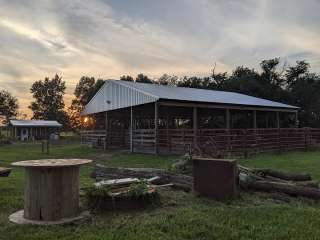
(181, 215)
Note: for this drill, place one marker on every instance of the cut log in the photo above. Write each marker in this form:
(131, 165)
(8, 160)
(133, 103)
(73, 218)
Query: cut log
(4, 172)
(290, 189)
(283, 175)
(116, 183)
(312, 184)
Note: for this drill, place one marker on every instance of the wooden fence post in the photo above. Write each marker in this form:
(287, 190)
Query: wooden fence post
(229, 147)
(48, 143)
(279, 139)
(306, 138)
(245, 142)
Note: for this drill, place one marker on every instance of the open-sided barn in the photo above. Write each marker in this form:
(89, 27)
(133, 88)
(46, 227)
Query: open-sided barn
(154, 118)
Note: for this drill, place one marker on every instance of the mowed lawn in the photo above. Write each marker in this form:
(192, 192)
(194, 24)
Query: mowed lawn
(180, 215)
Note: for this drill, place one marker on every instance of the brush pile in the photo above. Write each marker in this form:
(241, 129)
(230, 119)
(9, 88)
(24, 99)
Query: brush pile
(121, 194)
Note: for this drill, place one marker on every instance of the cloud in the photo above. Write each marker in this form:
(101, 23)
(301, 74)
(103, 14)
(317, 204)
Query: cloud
(109, 38)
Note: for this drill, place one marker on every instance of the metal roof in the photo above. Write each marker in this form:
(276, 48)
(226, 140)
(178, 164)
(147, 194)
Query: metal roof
(116, 94)
(201, 95)
(34, 123)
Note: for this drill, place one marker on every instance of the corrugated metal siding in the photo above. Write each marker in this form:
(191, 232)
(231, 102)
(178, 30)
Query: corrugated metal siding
(114, 96)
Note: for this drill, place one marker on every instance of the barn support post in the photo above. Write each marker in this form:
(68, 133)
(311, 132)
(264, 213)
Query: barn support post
(131, 129)
(156, 134)
(245, 142)
(296, 119)
(195, 126)
(227, 118)
(228, 128)
(255, 119)
(106, 136)
(278, 120)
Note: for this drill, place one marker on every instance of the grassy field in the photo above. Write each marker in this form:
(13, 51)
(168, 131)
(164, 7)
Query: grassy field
(180, 215)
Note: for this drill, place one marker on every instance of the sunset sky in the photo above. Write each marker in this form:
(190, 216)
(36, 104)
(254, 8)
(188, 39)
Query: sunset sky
(107, 39)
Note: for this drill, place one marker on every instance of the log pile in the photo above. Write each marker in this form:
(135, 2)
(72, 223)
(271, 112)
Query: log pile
(266, 180)
(269, 180)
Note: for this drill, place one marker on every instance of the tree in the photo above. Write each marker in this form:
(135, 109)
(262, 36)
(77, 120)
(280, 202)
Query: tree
(8, 105)
(244, 80)
(270, 73)
(86, 88)
(169, 80)
(127, 78)
(304, 89)
(191, 82)
(143, 78)
(294, 73)
(48, 101)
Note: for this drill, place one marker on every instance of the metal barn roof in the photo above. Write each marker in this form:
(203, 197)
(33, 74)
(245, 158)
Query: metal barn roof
(34, 123)
(118, 94)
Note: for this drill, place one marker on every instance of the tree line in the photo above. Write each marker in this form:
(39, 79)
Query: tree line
(295, 85)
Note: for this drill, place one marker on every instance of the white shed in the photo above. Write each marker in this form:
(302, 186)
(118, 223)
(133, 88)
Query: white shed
(24, 130)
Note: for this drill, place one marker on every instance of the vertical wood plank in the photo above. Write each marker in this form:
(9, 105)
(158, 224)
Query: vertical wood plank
(227, 118)
(51, 193)
(254, 119)
(107, 132)
(156, 134)
(131, 129)
(195, 126)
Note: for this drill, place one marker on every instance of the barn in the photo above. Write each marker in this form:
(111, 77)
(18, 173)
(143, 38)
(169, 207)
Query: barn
(153, 118)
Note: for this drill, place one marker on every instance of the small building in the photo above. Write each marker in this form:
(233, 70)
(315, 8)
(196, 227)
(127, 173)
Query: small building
(24, 130)
(155, 118)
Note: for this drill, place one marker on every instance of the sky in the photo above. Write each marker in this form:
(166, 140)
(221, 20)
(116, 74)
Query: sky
(110, 38)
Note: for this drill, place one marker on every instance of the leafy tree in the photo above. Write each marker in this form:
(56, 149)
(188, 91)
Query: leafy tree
(166, 79)
(86, 88)
(8, 105)
(48, 101)
(143, 78)
(127, 78)
(294, 73)
(270, 73)
(218, 80)
(191, 82)
(304, 89)
(243, 80)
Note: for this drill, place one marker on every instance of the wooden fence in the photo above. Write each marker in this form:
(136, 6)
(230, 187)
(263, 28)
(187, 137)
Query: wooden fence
(93, 138)
(219, 142)
(222, 142)
(119, 138)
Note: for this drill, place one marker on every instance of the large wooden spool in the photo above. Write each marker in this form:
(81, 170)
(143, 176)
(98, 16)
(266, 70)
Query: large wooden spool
(51, 188)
